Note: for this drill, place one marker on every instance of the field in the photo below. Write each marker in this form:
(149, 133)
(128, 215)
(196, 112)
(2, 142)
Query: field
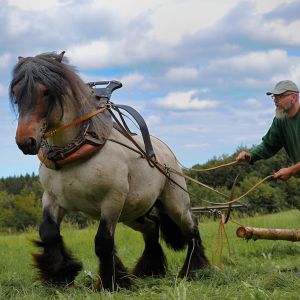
(255, 270)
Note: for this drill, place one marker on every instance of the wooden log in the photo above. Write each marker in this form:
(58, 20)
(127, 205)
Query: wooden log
(200, 209)
(255, 233)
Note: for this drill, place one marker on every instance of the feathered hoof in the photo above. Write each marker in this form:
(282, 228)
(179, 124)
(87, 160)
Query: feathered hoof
(192, 270)
(124, 282)
(56, 266)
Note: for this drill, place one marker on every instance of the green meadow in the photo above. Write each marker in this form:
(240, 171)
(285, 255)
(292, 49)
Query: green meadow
(259, 269)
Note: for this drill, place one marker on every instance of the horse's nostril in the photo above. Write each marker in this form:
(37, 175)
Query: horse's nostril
(31, 142)
(29, 146)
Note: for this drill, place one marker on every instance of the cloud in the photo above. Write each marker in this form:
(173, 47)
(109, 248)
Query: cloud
(35, 5)
(153, 120)
(132, 80)
(253, 103)
(4, 60)
(183, 74)
(258, 63)
(289, 12)
(185, 101)
(3, 90)
(199, 146)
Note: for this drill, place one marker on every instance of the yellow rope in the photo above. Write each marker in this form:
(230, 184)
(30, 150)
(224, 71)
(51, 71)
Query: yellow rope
(211, 168)
(198, 182)
(250, 190)
(218, 192)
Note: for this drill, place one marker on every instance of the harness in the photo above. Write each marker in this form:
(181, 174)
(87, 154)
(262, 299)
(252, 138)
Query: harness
(89, 142)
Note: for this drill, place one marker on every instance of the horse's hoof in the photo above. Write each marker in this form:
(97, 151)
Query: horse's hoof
(125, 283)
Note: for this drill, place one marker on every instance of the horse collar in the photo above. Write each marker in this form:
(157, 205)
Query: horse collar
(83, 146)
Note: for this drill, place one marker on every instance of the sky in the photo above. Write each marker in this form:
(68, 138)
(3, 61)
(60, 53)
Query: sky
(197, 71)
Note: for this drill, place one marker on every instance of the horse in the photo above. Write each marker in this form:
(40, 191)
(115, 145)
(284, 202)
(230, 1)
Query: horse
(112, 184)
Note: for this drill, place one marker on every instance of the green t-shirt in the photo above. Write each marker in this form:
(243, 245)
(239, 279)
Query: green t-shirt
(284, 133)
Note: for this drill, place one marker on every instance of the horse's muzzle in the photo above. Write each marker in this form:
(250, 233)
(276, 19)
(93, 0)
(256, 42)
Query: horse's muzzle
(29, 146)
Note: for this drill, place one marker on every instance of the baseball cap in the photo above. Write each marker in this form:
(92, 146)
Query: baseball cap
(283, 86)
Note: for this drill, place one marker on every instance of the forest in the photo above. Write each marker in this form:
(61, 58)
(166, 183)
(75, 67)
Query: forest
(20, 196)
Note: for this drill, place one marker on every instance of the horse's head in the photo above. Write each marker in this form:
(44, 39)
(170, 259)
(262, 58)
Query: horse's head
(37, 92)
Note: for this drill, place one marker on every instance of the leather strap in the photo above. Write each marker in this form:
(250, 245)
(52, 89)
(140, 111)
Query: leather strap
(73, 123)
(142, 124)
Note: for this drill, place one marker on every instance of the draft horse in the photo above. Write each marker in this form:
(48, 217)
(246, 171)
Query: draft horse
(112, 184)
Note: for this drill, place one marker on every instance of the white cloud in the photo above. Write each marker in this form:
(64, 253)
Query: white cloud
(264, 6)
(199, 146)
(292, 73)
(92, 55)
(172, 20)
(183, 74)
(257, 62)
(185, 101)
(5, 60)
(3, 90)
(36, 5)
(132, 80)
(281, 31)
(153, 120)
(253, 103)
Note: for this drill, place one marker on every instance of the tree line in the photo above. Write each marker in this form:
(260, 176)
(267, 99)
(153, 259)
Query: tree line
(20, 196)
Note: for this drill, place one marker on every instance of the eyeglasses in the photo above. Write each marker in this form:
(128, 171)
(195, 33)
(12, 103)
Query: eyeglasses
(281, 96)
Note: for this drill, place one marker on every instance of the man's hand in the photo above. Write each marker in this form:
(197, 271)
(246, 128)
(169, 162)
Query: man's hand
(243, 156)
(284, 173)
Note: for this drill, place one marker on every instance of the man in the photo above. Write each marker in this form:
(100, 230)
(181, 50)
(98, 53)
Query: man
(284, 131)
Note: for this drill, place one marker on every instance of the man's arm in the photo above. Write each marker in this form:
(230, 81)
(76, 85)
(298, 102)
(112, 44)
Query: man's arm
(286, 173)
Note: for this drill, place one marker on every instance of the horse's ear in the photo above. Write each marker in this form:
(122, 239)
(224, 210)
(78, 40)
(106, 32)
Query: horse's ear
(21, 59)
(60, 57)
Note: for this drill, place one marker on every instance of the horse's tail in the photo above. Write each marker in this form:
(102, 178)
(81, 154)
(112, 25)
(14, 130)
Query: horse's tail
(171, 233)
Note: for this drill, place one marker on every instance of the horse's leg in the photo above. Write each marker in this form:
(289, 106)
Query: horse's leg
(175, 208)
(195, 258)
(153, 260)
(55, 264)
(112, 273)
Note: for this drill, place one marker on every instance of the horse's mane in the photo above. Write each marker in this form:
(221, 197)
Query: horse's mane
(52, 70)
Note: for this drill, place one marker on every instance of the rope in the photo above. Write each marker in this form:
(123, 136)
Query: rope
(218, 192)
(250, 190)
(198, 182)
(218, 253)
(209, 169)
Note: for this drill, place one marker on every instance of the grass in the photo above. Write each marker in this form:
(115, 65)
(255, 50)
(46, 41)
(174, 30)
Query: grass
(256, 270)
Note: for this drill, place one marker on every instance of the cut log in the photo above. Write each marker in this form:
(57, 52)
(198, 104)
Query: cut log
(255, 233)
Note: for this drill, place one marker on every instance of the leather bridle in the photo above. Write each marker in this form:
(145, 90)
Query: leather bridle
(53, 132)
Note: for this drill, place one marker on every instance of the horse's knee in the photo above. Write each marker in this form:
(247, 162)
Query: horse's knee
(49, 230)
(104, 242)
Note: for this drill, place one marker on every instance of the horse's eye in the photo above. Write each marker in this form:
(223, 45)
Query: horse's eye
(14, 99)
(46, 93)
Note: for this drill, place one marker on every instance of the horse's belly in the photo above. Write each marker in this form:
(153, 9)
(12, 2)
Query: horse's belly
(141, 197)
(75, 191)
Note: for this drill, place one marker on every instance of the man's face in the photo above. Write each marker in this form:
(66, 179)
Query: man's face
(284, 103)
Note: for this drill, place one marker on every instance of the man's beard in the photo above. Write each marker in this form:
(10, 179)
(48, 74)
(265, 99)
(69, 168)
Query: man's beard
(280, 113)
